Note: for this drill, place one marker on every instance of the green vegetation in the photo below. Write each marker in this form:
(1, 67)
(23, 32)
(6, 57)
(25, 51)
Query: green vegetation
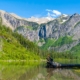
(29, 27)
(19, 70)
(23, 27)
(76, 51)
(33, 25)
(16, 47)
(41, 40)
(25, 42)
(59, 42)
(0, 21)
(48, 43)
(19, 28)
(63, 40)
(62, 55)
(59, 55)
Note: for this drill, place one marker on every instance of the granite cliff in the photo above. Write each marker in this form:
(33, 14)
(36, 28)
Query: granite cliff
(55, 30)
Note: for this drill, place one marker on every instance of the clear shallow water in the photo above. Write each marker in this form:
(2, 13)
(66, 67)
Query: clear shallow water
(27, 71)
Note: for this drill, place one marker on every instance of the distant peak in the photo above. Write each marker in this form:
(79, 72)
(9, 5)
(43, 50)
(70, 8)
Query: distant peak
(40, 20)
(2, 11)
(65, 15)
(76, 14)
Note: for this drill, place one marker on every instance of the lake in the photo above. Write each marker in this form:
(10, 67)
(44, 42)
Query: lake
(29, 71)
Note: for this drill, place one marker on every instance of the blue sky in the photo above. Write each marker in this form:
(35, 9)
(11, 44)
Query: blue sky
(40, 8)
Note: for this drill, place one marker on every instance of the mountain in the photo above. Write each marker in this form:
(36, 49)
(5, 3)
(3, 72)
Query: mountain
(14, 22)
(16, 16)
(14, 46)
(34, 19)
(24, 26)
(65, 35)
(60, 34)
(40, 20)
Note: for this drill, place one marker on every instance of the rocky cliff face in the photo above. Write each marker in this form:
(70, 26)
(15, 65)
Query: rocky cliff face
(56, 29)
(59, 27)
(13, 22)
(65, 47)
(31, 34)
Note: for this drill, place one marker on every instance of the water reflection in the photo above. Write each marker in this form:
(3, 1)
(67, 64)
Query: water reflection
(49, 73)
(29, 71)
(62, 74)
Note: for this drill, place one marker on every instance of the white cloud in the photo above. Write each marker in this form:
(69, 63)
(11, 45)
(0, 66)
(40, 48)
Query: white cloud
(48, 14)
(48, 10)
(56, 12)
(65, 15)
(53, 13)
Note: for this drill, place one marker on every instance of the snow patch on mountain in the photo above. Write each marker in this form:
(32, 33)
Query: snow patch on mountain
(40, 20)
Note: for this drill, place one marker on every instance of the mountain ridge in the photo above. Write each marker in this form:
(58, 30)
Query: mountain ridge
(57, 29)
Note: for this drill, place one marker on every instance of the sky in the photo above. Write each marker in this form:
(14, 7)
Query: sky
(40, 8)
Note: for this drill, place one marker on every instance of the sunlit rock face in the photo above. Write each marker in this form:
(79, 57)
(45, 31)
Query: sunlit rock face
(14, 22)
(64, 25)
